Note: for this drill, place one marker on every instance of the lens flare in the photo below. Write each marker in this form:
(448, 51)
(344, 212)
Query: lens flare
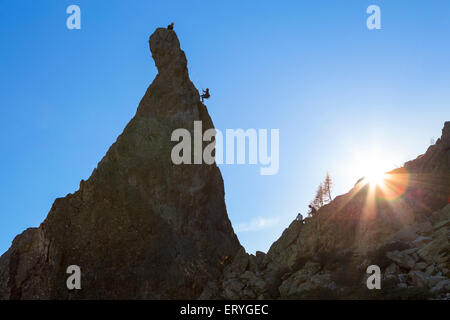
(394, 185)
(375, 177)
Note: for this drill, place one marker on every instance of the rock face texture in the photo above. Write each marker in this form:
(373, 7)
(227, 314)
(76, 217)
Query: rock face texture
(140, 227)
(403, 226)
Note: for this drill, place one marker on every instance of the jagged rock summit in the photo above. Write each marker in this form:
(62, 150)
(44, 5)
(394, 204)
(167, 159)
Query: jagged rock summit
(140, 227)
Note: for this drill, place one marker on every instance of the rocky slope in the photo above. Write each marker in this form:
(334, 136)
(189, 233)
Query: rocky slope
(139, 227)
(403, 226)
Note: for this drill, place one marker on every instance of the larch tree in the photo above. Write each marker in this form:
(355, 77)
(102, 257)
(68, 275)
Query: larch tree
(327, 186)
(318, 199)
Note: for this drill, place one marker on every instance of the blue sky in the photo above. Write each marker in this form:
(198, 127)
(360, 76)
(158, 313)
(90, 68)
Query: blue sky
(340, 94)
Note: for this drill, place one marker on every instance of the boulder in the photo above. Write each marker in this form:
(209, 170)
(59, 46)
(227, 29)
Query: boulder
(418, 278)
(434, 280)
(420, 266)
(441, 287)
(406, 234)
(239, 263)
(437, 250)
(421, 241)
(262, 259)
(441, 224)
(392, 269)
(317, 286)
(401, 258)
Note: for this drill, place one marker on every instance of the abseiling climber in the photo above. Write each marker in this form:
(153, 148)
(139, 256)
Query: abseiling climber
(205, 94)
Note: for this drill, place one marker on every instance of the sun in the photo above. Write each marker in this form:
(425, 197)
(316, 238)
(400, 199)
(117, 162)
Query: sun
(379, 179)
(372, 166)
(375, 176)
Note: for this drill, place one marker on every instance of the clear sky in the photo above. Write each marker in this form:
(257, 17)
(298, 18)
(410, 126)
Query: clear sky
(341, 95)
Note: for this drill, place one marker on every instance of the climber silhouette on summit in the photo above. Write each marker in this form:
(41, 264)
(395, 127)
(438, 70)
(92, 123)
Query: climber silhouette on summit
(205, 94)
(170, 26)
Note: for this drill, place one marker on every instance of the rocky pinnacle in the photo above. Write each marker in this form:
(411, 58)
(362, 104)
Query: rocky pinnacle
(140, 227)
